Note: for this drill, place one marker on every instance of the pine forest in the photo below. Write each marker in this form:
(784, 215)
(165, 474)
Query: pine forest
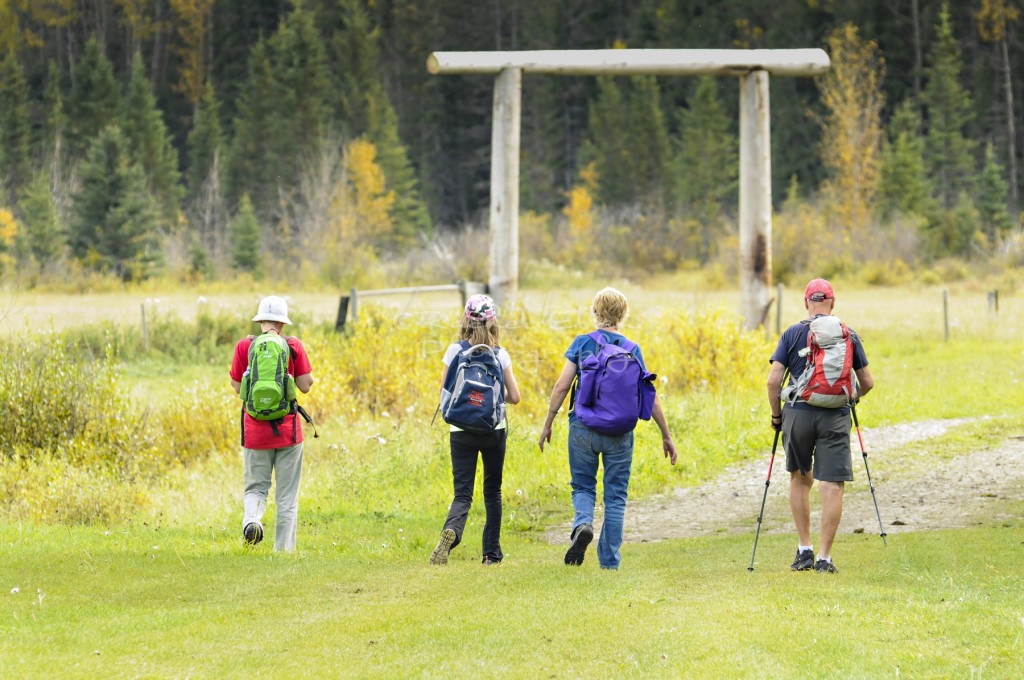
(207, 139)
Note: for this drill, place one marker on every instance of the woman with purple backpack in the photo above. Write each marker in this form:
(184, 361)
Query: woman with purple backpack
(479, 326)
(601, 424)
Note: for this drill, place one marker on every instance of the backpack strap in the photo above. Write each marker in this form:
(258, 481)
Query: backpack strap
(291, 350)
(599, 337)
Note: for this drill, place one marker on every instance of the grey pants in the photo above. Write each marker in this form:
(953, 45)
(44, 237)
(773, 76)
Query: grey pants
(259, 465)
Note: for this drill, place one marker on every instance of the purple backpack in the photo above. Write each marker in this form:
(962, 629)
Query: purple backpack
(614, 390)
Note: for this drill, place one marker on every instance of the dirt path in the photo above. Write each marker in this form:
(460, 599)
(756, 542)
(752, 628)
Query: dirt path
(915, 492)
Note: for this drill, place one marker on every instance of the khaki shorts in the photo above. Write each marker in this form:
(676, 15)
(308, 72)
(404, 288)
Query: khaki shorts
(818, 437)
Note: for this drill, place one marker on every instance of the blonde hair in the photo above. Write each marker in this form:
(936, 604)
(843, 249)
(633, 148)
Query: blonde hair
(610, 307)
(477, 332)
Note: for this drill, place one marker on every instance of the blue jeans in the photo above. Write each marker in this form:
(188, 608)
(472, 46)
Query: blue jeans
(586, 447)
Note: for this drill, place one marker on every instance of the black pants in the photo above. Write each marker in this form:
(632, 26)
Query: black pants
(465, 447)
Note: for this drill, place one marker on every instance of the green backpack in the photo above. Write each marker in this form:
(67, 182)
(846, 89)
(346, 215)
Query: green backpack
(268, 389)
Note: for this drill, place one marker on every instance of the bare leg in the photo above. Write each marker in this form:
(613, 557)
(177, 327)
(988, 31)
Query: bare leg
(831, 513)
(800, 504)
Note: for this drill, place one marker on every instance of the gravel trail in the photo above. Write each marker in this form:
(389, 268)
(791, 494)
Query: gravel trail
(915, 492)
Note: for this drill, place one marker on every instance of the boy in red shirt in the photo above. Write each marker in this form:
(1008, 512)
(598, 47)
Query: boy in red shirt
(269, 446)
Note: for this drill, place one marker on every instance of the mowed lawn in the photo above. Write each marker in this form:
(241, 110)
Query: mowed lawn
(147, 602)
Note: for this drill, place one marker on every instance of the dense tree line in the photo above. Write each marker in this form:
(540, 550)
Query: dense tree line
(311, 129)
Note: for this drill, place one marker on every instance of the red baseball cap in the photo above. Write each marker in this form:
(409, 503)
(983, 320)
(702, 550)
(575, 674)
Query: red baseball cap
(818, 290)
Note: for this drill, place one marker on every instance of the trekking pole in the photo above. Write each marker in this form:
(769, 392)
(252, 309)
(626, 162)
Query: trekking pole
(864, 454)
(767, 482)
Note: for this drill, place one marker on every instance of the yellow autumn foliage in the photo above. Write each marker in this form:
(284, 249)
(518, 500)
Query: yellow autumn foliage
(360, 220)
(579, 213)
(851, 145)
(9, 229)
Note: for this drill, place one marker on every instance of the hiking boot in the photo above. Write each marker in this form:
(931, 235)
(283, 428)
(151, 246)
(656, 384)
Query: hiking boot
(253, 533)
(803, 561)
(444, 546)
(581, 538)
(825, 567)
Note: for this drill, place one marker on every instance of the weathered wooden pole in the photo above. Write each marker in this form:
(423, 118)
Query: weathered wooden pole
(504, 218)
(755, 199)
(751, 66)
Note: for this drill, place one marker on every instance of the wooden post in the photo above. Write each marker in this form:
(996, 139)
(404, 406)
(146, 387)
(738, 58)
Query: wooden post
(339, 323)
(945, 314)
(755, 199)
(504, 219)
(353, 303)
(145, 330)
(751, 66)
(778, 309)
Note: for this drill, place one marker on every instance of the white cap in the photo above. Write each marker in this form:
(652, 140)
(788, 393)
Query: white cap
(273, 308)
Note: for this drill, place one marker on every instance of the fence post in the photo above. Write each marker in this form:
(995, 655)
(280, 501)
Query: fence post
(778, 309)
(353, 303)
(145, 330)
(945, 313)
(993, 302)
(339, 323)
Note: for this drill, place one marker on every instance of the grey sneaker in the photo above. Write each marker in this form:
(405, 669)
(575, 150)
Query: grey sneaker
(803, 561)
(581, 538)
(253, 533)
(444, 546)
(824, 567)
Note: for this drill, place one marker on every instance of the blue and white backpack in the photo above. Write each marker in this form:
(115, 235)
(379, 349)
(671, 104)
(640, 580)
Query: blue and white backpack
(473, 395)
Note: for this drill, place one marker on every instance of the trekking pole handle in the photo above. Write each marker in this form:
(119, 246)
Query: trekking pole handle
(853, 410)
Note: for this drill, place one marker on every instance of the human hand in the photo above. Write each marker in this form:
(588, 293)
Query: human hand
(670, 449)
(777, 423)
(545, 436)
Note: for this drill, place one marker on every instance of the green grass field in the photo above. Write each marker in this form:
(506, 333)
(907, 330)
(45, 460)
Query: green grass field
(144, 602)
(172, 592)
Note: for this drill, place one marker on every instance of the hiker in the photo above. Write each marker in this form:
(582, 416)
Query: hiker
(816, 438)
(614, 445)
(271, 437)
(477, 423)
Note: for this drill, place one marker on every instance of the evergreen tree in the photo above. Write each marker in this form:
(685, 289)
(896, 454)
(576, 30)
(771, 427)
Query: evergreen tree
(95, 97)
(149, 143)
(707, 162)
(39, 215)
(903, 185)
(254, 166)
(15, 133)
(948, 113)
(303, 82)
(992, 192)
(113, 225)
(952, 231)
(56, 123)
(205, 141)
(245, 239)
(607, 146)
(287, 94)
(648, 142)
(366, 109)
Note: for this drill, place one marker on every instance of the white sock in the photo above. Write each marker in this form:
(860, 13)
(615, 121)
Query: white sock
(804, 548)
(827, 559)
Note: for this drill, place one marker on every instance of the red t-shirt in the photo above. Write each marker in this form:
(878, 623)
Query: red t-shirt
(259, 434)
